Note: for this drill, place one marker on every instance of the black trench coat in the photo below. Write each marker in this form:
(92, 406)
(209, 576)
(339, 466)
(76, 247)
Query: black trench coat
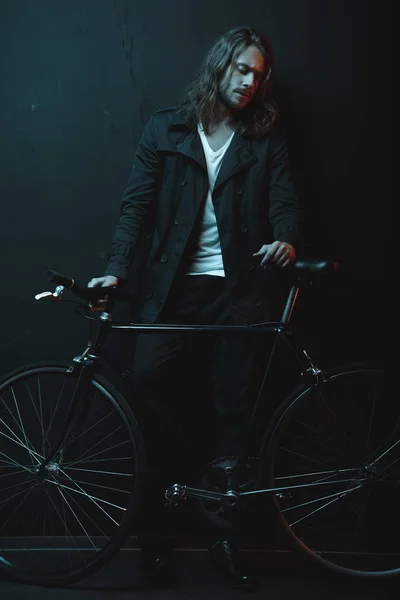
(254, 200)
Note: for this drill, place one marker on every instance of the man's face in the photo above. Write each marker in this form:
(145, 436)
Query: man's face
(241, 80)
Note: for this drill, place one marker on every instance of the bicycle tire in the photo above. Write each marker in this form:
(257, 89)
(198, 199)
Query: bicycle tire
(343, 434)
(62, 525)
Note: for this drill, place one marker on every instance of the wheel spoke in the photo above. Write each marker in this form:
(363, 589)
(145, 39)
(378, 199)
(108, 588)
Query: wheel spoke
(77, 518)
(18, 423)
(118, 474)
(98, 485)
(336, 496)
(95, 499)
(89, 457)
(7, 500)
(88, 517)
(17, 441)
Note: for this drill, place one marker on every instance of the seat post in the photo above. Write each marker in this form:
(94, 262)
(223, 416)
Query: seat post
(290, 302)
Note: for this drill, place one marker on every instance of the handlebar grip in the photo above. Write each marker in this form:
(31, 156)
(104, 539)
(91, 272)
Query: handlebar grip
(60, 278)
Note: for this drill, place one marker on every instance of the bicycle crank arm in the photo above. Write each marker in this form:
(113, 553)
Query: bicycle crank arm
(177, 492)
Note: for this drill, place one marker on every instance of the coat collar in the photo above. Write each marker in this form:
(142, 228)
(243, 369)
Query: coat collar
(238, 156)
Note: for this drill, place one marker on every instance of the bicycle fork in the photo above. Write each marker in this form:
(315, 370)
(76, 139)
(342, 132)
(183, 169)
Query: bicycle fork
(85, 363)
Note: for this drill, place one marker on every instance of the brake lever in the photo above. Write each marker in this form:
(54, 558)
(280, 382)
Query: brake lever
(56, 296)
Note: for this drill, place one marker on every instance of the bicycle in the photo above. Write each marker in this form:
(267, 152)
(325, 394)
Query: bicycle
(72, 459)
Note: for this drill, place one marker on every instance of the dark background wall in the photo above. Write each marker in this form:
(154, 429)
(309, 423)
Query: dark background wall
(80, 78)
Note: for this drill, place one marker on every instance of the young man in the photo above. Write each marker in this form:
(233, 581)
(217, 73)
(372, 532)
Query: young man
(209, 205)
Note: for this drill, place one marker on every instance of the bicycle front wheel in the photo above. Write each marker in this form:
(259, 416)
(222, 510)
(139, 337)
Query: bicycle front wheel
(62, 520)
(333, 454)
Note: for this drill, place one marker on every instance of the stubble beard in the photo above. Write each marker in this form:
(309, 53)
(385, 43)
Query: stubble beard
(226, 100)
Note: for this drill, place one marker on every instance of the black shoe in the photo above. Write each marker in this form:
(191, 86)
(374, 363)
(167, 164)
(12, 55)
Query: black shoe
(225, 558)
(157, 561)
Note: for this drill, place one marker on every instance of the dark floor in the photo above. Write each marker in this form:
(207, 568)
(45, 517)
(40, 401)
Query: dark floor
(283, 576)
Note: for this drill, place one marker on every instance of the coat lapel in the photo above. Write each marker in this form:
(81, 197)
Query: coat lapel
(237, 157)
(192, 147)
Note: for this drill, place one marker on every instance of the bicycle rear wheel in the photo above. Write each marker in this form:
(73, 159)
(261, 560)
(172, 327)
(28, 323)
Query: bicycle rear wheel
(61, 523)
(334, 451)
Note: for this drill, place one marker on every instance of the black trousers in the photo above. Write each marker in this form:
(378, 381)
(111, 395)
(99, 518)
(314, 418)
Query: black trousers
(171, 368)
(182, 360)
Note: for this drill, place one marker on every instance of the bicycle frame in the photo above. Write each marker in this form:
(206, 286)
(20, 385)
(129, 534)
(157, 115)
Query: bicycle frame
(87, 361)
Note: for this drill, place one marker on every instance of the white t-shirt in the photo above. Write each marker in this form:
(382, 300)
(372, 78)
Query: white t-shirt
(207, 259)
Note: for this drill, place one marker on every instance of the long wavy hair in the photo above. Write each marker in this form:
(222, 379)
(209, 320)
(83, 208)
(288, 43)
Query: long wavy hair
(200, 99)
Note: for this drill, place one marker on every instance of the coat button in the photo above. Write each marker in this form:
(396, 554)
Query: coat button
(164, 258)
(149, 295)
(239, 192)
(243, 228)
(176, 222)
(184, 182)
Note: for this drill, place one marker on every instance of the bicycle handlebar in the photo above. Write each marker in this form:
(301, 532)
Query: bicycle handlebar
(298, 268)
(60, 279)
(86, 293)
